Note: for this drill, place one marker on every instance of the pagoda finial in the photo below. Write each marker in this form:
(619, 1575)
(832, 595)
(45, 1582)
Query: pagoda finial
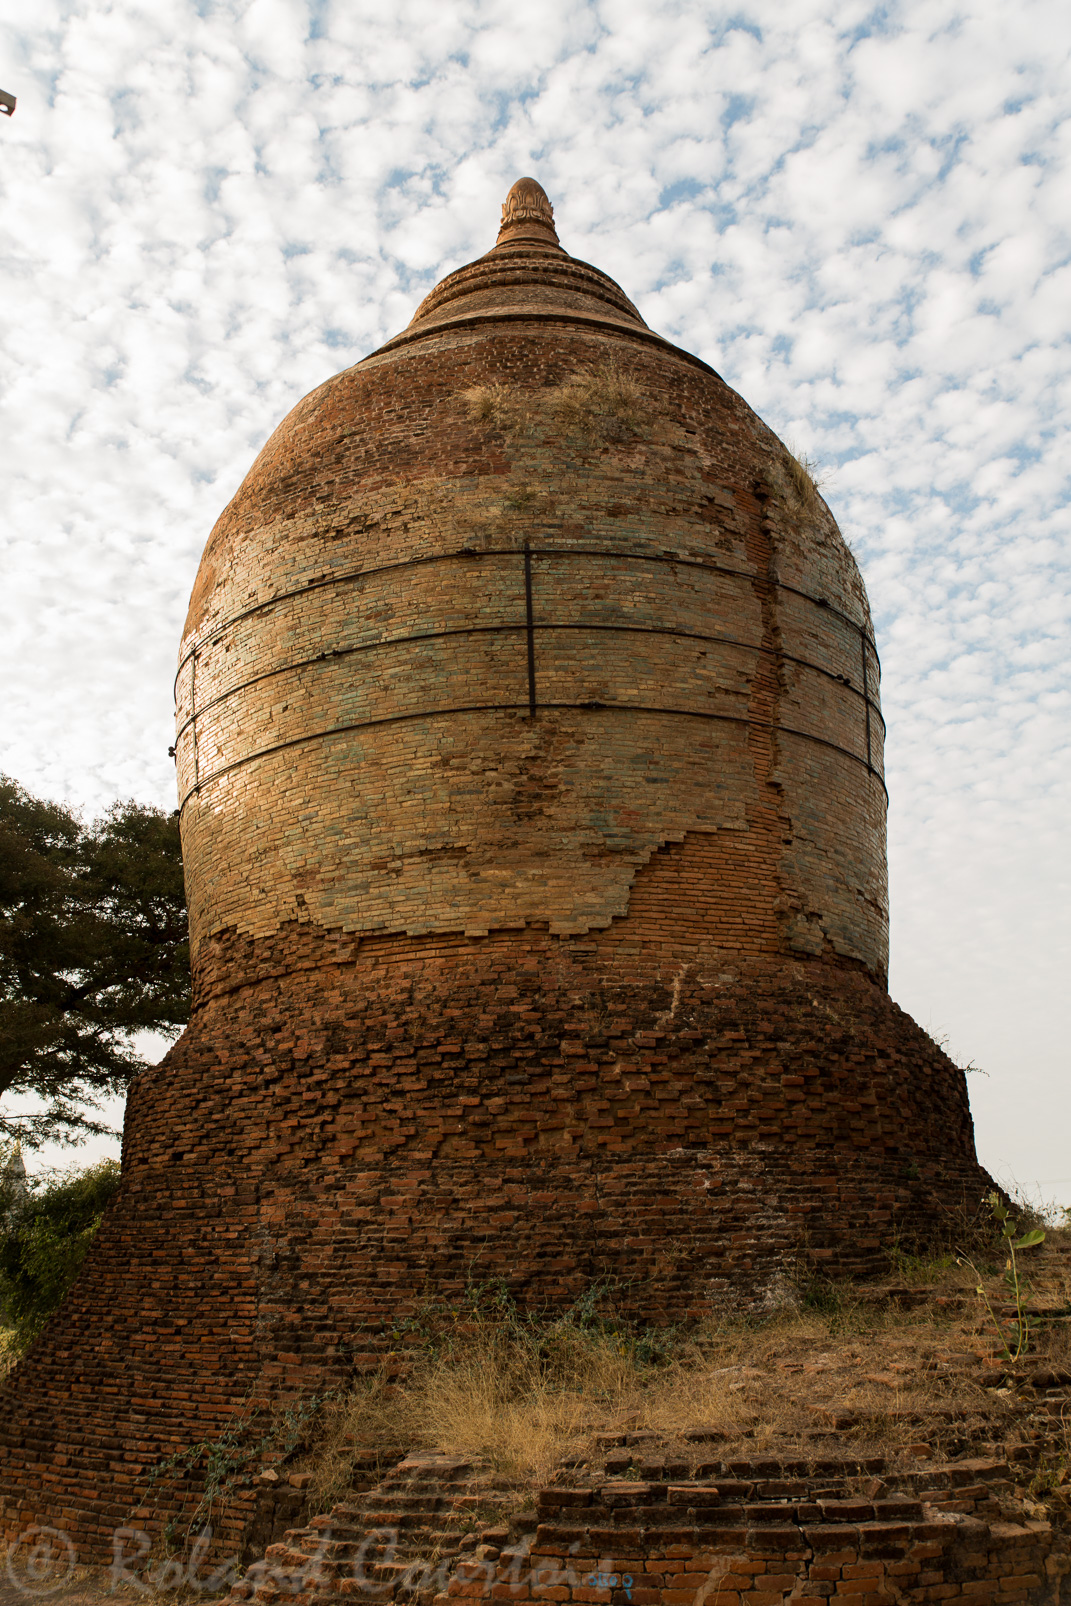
(527, 212)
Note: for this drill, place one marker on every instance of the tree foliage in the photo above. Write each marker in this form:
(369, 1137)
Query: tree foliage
(45, 1233)
(93, 948)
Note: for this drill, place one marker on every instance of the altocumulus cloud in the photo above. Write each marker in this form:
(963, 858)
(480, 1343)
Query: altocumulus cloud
(857, 214)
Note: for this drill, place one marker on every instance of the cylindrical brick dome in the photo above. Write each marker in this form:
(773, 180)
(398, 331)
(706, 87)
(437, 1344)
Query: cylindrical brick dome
(507, 608)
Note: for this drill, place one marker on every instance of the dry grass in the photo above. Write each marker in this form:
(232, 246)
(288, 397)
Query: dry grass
(9, 1352)
(529, 1399)
(597, 403)
(525, 1401)
(593, 398)
(925, 1271)
(798, 479)
(518, 1398)
(503, 407)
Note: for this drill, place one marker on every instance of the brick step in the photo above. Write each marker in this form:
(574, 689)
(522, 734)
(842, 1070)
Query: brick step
(758, 1475)
(785, 1488)
(425, 1469)
(955, 1475)
(573, 1503)
(648, 1470)
(373, 1512)
(407, 1476)
(698, 1509)
(327, 1580)
(286, 1554)
(968, 1478)
(346, 1552)
(344, 1509)
(373, 1541)
(382, 1512)
(680, 1525)
(419, 1497)
(344, 1549)
(354, 1595)
(407, 1500)
(391, 1571)
(760, 1502)
(763, 1469)
(472, 1478)
(354, 1534)
(755, 1472)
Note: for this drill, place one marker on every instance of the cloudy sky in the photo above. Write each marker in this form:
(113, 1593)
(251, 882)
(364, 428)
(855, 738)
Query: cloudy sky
(858, 214)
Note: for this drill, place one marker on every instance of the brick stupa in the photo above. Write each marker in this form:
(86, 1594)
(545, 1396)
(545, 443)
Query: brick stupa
(530, 768)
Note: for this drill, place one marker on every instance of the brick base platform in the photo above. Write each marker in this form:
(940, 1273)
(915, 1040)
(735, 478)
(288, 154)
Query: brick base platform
(348, 1129)
(767, 1531)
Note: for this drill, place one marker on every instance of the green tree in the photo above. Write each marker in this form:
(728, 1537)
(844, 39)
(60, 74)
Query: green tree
(45, 1232)
(93, 947)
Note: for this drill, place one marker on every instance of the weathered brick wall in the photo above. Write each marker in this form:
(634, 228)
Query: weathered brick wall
(376, 1120)
(357, 745)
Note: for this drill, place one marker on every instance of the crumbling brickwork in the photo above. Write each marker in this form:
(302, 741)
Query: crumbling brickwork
(767, 1534)
(745, 1531)
(350, 1125)
(372, 738)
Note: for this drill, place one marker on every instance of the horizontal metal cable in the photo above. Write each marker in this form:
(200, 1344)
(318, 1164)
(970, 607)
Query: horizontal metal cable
(483, 708)
(352, 576)
(486, 630)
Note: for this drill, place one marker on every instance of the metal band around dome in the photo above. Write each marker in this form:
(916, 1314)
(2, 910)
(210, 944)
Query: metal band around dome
(531, 628)
(352, 576)
(490, 708)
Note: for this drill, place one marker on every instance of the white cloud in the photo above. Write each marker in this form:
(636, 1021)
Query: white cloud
(857, 215)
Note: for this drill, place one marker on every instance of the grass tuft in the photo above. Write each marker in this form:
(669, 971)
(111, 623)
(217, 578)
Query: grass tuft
(799, 480)
(591, 399)
(595, 404)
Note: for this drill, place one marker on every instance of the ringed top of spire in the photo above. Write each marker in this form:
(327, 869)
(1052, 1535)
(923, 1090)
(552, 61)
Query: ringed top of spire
(527, 215)
(525, 275)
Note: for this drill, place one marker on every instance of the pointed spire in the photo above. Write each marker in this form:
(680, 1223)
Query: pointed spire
(13, 1176)
(527, 215)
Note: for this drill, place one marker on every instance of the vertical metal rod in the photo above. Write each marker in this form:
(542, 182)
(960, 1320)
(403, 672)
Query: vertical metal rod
(866, 699)
(530, 619)
(193, 716)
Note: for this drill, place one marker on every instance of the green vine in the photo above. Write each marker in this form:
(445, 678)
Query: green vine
(1017, 1284)
(226, 1461)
